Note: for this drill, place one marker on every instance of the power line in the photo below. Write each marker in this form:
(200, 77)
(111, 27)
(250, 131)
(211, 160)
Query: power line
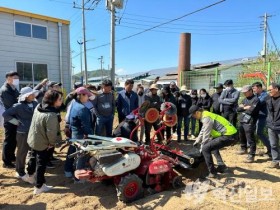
(274, 43)
(159, 25)
(123, 12)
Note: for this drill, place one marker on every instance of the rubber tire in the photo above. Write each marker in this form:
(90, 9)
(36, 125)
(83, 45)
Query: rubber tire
(130, 179)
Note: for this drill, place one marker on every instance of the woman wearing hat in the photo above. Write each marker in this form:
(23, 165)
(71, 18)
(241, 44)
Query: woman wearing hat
(21, 115)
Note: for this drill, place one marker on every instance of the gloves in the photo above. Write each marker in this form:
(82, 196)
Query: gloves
(195, 144)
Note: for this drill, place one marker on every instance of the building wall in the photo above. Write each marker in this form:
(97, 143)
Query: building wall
(15, 48)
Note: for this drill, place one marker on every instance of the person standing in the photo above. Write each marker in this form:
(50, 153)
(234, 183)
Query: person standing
(141, 99)
(43, 134)
(184, 103)
(104, 109)
(229, 102)
(168, 97)
(9, 95)
(194, 98)
(215, 99)
(261, 123)
(127, 100)
(249, 110)
(216, 133)
(273, 123)
(155, 102)
(21, 113)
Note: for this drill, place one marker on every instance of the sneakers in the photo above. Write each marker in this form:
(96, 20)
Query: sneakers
(274, 165)
(241, 151)
(10, 165)
(249, 159)
(211, 175)
(50, 165)
(18, 175)
(28, 178)
(221, 168)
(44, 188)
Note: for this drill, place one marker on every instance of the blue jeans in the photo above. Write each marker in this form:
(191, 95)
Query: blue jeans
(186, 126)
(104, 122)
(274, 137)
(261, 128)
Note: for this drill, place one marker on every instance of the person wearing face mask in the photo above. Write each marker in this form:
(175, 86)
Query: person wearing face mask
(194, 99)
(9, 95)
(215, 98)
(184, 102)
(21, 114)
(155, 102)
(229, 102)
(141, 99)
(204, 102)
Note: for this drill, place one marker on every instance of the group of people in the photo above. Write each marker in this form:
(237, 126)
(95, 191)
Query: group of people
(35, 116)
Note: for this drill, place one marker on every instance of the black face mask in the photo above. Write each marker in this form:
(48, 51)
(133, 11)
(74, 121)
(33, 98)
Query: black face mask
(140, 93)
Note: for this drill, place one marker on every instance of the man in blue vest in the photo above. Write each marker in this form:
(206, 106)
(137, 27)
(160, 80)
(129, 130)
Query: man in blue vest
(216, 133)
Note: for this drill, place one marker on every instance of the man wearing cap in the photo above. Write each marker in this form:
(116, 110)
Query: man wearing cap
(215, 98)
(104, 109)
(9, 95)
(249, 111)
(216, 133)
(261, 123)
(127, 100)
(155, 102)
(229, 102)
(184, 103)
(273, 123)
(21, 114)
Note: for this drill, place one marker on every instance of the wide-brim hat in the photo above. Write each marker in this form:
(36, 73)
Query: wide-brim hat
(25, 92)
(246, 88)
(184, 88)
(153, 86)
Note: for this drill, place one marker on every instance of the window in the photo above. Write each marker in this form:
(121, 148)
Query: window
(30, 30)
(31, 73)
(23, 29)
(39, 32)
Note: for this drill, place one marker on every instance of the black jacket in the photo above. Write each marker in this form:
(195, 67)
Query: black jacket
(194, 100)
(216, 103)
(9, 96)
(154, 100)
(205, 103)
(184, 102)
(253, 112)
(273, 117)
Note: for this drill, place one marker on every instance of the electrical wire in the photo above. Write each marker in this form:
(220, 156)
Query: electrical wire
(274, 43)
(123, 12)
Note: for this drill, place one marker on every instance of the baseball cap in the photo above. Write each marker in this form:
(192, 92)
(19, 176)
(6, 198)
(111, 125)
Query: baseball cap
(228, 82)
(83, 90)
(219, 85)
(246, 88)
(193, 109)
(52, 83)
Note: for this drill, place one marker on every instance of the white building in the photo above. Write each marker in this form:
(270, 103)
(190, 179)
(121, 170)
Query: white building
(35, 46)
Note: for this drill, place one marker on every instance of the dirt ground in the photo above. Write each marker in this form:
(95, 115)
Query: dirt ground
(244, 186)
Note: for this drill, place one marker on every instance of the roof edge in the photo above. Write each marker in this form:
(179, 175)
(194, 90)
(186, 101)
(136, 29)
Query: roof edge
(32, 15)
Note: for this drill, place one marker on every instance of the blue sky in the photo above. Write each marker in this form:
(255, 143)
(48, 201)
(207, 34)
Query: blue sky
(231, 29)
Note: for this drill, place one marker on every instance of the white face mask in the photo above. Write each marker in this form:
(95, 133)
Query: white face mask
(203, 95)
(92, 97)
(228, 88)
(183, 92)
(15, 82)
(193, 96)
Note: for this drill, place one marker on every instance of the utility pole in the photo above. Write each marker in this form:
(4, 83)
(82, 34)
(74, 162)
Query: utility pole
(84, 35)
(264, 50)
(101, 62)
(113, 43)
(81, 59)
(111, 5)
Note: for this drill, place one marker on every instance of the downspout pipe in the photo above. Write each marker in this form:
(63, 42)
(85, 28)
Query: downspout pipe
(60, 51)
